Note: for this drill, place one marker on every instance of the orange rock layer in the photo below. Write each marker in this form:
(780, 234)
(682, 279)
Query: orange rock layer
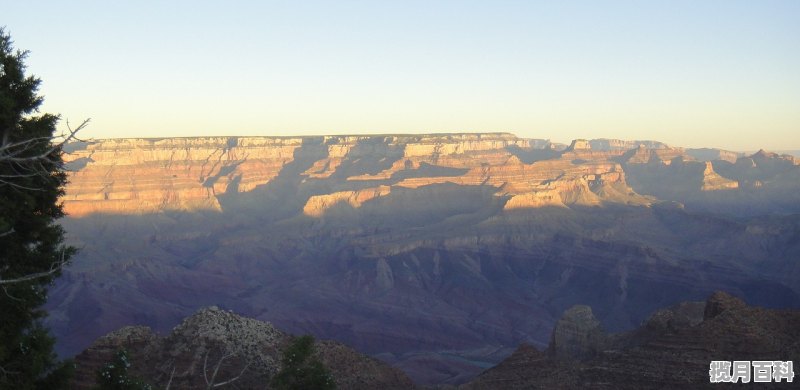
(135, 176)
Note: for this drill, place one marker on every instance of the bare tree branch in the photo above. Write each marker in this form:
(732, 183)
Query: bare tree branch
(205, 370)
(55, 267)
(5, 290)
(246, 366)
(171, 375)
(13, 151)
(6, 373)
(211, 384)
(17, 155)
(30, 277)
(216, 370)
(19, 163)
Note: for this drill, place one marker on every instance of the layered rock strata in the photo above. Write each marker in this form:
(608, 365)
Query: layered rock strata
(134, 176)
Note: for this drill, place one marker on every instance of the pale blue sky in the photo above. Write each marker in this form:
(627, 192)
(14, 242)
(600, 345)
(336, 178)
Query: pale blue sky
(690, 73)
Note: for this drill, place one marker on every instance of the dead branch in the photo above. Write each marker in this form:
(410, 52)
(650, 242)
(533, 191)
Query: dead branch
(17, 157)
(55, 267)
(14, 151)
(210, 384)
(19, 163)
(171, 375)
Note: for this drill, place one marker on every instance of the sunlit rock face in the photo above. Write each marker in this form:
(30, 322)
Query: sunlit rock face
(140, 176)
(436, 253)
(136, 176)
(130, 176)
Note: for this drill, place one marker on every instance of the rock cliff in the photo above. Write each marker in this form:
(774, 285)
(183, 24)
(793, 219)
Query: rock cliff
(138, 176)
(577, 334)
(673, 349)
(135, 176)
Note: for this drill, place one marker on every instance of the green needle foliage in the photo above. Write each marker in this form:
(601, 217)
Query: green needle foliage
(31, 243)
(114, 375)
(301, 369)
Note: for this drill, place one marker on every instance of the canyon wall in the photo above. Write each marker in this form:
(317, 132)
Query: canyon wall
(436, 253)
(135, 176)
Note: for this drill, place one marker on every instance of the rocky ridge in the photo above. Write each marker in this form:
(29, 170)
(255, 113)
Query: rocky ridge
(239, 346)
(672, 349)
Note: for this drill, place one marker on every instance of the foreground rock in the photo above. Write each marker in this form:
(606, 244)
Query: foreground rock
(242, 348)
(673, 349)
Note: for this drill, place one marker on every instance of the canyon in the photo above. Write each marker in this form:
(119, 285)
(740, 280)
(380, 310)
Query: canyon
(438, 254)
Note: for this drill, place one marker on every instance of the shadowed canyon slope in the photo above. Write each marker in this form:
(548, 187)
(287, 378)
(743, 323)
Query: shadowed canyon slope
(436, 253)
(672, 349)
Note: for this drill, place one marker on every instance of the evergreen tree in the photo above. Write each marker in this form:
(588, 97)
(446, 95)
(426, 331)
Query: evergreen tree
(31, 243)
(114, 375)
(301, 369)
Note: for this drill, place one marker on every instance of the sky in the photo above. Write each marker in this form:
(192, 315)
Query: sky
(693, 73)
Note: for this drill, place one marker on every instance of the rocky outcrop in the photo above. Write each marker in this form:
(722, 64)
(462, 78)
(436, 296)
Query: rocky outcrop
(577, 335)
(674, 318)
(712, 181)
(318, 205)
(711, 154)
(579, 144)
(103, 350)
(644, 155)
(618, 144)
(671, 350)
(217, 342)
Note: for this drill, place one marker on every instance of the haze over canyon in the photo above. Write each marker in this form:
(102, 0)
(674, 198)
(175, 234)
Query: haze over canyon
(439, 254)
